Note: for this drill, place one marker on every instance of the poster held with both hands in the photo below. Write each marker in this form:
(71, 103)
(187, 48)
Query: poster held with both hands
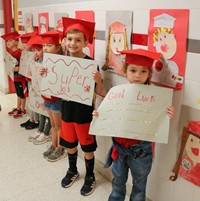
(135, 112)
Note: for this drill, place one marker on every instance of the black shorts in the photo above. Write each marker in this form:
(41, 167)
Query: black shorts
(19, 89)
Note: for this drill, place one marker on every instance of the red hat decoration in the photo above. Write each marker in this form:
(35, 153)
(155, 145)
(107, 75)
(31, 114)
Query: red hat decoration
(26, 37)
(87, 28)
(36, 42)
(11, 36)
(53, 37)
(141, 57)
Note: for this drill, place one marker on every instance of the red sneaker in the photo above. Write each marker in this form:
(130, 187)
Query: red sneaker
(23, 112)
(13, 112)
(18, 114)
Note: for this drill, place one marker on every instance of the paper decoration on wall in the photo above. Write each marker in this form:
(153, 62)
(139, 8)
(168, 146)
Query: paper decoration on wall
(168, 35)
(35, 101)
(28, 21)
(58, 25)
(134, 111)
(118, 37)
(69, 78)
(26, 61)
(43, 22)
(88, 16)
(10, 62)
(20, 21)
(188, 162)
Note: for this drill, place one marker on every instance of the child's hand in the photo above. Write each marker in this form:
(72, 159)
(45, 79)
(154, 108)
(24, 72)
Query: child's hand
(170, 111)
(95, 113)
(43, 71)
(15, 69)
(96, 76)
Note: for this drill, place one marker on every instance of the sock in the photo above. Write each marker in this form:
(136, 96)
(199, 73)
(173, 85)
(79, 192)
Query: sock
(73, 161)
(89, 164)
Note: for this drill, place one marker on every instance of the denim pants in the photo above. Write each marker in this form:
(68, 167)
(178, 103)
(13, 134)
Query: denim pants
(139, 160)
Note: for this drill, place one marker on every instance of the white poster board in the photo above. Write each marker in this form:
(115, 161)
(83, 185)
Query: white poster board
(134, 111)
(26, 61)
(36, 102)
(10, 62)
(69, 78)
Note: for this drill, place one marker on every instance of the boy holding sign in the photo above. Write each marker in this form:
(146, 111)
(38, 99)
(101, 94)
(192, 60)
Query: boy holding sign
(76, 117)
(133, 154)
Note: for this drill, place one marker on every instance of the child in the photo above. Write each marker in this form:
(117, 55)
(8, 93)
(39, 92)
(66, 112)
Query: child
(76, 117)
(42, 135)
(33, 121)
(52, 44)
(133, 154)
(20, 83)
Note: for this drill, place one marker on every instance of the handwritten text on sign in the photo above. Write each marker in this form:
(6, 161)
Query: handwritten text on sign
(10, 63)
(69, 78)
(134, 111)
(26, 62)
(36, 102)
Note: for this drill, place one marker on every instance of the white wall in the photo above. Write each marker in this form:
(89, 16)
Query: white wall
(160, 188)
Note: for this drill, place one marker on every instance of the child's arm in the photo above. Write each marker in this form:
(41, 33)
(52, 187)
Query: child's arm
(170, 111)
(16, 69)
(95, 113)
(99, 84)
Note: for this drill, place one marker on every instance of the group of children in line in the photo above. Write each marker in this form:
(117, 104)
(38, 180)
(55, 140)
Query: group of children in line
(70, 121)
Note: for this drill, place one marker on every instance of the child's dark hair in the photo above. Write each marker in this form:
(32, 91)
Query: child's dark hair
(148, 81)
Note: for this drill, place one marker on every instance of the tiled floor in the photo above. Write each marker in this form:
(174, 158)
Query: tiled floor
(26, 176)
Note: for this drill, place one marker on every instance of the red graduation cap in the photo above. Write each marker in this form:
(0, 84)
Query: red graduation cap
(36, 42)
(26, 37)
(11, 36)
(53, 37)
(141, 57)
(87, 28)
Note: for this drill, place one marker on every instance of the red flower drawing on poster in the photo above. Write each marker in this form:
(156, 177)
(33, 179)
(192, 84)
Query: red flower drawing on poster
(168, 35)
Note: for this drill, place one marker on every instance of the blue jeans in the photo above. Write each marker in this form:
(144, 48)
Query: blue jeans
(139, 161)
(55, 105)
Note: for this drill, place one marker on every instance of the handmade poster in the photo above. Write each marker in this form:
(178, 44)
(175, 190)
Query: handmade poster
(28, 22)
(118, 38)
(168, 35)
(188, 162)
(43, 22)
(26, 61)
(58, 24)
(35, 101)
(134, 111)
(88, 16)
(10, 62)
(69, 78)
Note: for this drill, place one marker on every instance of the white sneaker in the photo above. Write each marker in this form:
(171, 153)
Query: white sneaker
(42, 139)
(33, 137)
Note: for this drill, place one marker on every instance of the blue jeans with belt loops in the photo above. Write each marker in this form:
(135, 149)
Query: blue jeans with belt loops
(139, 160)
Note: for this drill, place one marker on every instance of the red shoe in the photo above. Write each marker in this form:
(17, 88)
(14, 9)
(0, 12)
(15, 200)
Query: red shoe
(13, 112)
(18, 114)
(23, 112)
